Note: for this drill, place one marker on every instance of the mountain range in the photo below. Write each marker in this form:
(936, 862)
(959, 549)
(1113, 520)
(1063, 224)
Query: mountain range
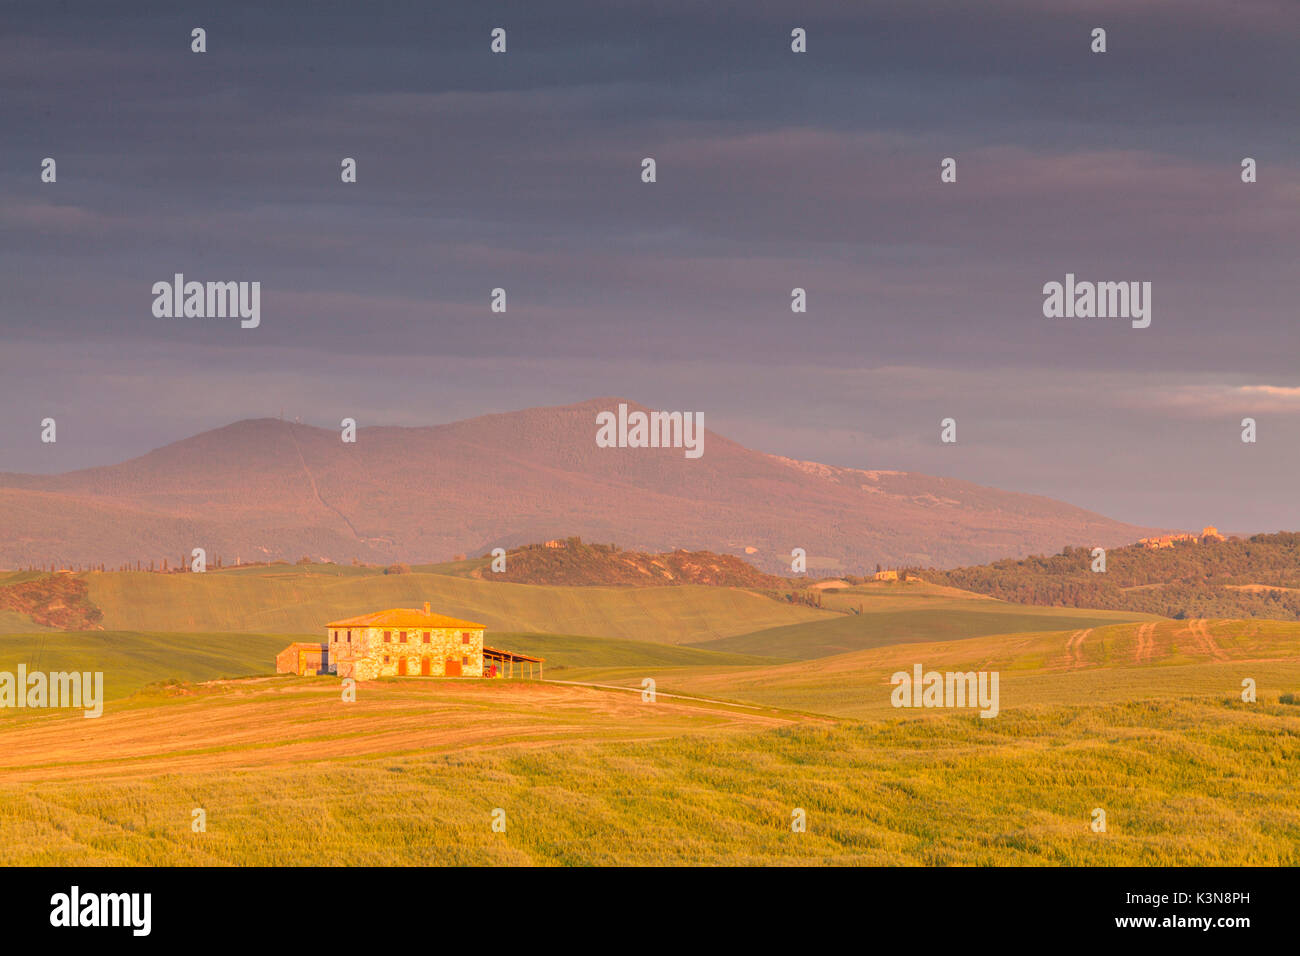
(267, 489)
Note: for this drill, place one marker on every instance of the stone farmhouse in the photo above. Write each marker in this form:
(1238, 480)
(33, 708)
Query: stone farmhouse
(402, 642)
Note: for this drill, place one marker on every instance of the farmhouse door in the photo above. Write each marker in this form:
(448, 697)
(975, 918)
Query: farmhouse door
(426, 667)
(453, 668)
(401, 667)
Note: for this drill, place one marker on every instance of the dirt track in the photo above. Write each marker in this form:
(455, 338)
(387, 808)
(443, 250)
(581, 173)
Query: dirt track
(1074, 648)
(1146, 643)
(1205, 643)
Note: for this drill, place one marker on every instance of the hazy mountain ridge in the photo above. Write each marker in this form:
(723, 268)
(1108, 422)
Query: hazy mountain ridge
(267, 489)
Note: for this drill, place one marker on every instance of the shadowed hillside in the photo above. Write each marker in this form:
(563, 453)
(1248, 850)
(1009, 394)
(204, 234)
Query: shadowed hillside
(572, 562)
(1240, 577)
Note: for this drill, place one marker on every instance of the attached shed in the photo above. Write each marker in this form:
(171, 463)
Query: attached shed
(303, 658)
(499, 663)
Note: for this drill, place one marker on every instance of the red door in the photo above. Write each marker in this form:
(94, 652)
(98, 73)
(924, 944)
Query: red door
(426, 667)
(453, 668)
(401, 667)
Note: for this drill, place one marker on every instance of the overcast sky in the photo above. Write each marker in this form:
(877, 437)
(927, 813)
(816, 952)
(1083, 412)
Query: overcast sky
(775, 170)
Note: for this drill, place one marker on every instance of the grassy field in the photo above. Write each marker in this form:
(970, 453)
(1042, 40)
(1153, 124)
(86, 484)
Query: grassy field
(908, 621)
(564, 652)
(12, 622)
(132, 660)
(287, 774)
(300, 600)
(1142, 720)
(779, 707)
(129, 661)
(1115, 663)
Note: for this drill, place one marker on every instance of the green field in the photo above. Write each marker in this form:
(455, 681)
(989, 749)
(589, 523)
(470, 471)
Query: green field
(132, 660)
(1143, 718)
(886, 622)
(129, 661)
(301, 600)
(1035, 669)
(564, 652)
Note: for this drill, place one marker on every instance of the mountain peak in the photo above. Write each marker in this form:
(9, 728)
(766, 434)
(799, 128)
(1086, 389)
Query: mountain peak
(266, 488)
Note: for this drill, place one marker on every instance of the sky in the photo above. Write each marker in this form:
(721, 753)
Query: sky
(775, 170)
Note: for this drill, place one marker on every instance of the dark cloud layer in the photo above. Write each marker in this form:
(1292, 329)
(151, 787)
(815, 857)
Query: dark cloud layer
(775, 170)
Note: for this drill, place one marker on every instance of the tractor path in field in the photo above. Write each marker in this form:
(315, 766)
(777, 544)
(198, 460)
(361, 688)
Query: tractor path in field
(1146, 643)
(1200, 632)
(1072, 656)
(1074, 648)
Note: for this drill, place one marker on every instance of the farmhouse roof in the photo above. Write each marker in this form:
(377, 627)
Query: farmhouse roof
(404, 617)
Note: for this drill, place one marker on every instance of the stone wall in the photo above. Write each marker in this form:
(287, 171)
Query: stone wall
(291, 659)
(368, 655)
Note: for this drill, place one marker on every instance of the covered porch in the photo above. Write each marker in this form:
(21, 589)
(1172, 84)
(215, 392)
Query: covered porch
(504, 662)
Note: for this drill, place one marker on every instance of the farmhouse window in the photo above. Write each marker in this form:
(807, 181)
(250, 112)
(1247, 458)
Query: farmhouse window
(464, 660)
(426, 637)
(388, 637)
(349, 637)
(464, 638)
(403, 635)
(385, 658)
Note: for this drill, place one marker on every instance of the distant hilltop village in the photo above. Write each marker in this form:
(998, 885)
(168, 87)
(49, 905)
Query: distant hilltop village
(1209, 533)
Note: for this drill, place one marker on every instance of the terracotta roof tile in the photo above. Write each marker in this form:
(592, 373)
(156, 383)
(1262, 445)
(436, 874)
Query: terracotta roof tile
(404, 617)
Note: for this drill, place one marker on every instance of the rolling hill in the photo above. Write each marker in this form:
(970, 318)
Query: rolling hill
(1143, 720)
(1122, 663)
(133, 660)
(906, 624)
(1258, 576)
(574, 562)
(300, 599)
(267, 489)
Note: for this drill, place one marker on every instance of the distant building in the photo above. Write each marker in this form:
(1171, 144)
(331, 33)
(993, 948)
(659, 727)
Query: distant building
(1209, 533)
(1166, 540)
(402, 642)
(303, 658)
(885, 576)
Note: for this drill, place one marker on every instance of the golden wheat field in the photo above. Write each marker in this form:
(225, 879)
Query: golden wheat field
(1143, 721)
